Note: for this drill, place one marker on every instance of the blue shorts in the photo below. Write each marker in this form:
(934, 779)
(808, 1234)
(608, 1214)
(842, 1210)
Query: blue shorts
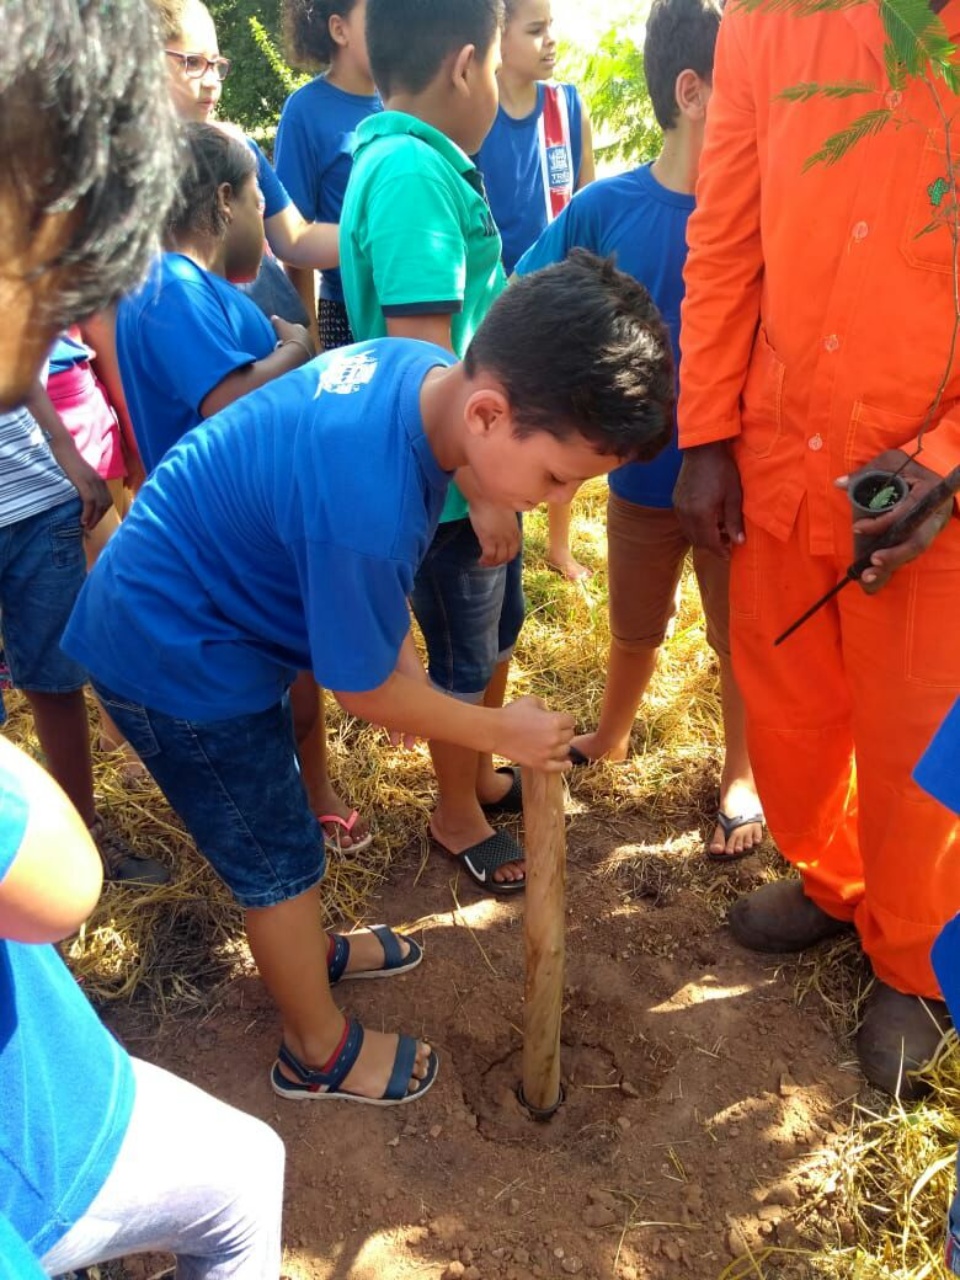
(236, 785)
(952, 1254)
(470, 616)
(42, 568)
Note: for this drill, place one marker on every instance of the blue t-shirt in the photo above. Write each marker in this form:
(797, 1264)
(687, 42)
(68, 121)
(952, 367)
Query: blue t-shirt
(178, 337)
(314, 154)
(66, 1086)
(67, 352)
(275, 195)
(285, 535)
(939, 769)
(16, 1260)
(510, 163)
(644, 227)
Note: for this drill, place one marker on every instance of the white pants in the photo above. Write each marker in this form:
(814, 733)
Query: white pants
(194, 1177)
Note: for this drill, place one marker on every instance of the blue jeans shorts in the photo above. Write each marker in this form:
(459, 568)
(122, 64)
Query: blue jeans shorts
(470, 616)
(236, 785)
(42, 568)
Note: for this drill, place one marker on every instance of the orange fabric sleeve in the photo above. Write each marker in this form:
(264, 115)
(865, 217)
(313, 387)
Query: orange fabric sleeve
(724, 271)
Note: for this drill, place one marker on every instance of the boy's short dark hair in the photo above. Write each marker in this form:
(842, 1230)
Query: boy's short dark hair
(580, 347)
(307, 41)
(408, 40)
(86, 127)
(211, 156)
(681, 36)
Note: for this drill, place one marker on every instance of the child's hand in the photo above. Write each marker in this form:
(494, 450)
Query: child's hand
(536, 737)
(288, 333)
(497, 530)
(93, 491)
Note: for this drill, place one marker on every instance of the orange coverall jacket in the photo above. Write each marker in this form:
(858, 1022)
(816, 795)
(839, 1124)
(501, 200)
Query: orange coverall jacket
(814, 334)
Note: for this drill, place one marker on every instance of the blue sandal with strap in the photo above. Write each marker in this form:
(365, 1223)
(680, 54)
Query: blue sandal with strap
(394, 961)
(315, 1084)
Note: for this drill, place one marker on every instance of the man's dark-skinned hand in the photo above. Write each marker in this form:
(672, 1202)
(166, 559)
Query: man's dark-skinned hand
(707, 498)
(921, 480)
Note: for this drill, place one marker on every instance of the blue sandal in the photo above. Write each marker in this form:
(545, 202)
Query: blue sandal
(394, 961)
(313, 1084)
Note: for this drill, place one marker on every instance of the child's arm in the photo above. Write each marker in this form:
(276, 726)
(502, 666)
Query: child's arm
(54, 881)
(92, 490)
(295, 348)
(100, 333)
(588, 165)
(524, 731)
(303, 244)
(303, 280)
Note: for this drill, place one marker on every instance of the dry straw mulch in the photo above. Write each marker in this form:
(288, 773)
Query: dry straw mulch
(174, 948)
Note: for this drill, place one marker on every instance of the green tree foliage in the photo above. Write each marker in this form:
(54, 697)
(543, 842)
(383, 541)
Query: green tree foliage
(249, 34)
(613, 84)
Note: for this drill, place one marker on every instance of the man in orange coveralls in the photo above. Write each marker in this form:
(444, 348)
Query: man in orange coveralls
(815, 333)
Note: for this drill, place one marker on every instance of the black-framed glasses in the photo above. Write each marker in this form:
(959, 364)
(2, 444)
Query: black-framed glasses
(195, 65)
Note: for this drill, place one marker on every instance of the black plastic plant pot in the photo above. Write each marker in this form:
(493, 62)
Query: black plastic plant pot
(872, 494)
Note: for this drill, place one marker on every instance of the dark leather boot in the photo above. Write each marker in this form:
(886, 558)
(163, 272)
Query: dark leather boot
(780, 917)
(899, 1035)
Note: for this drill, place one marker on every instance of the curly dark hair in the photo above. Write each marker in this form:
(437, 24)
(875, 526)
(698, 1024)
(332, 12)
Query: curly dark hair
(307, 41)
(580, 347)
(212, 156)
(86, 129)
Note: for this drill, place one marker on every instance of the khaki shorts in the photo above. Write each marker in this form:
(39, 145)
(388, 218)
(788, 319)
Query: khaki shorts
(646, 549)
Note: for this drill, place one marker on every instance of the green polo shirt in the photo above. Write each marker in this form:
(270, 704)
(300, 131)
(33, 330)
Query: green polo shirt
(417, 236)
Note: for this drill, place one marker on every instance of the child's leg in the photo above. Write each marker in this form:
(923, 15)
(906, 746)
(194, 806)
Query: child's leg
(558, 543)
(61, 724)
(310, 726)
(738, 791)
(237, 787)
(492, 786)
(645, 554)
(458, 605)
(193, 1177)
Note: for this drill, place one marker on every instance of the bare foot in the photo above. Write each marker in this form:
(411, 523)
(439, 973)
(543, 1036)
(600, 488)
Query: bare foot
(366, 951)
(594, 748)
(739, 799)
(133, 771)
(459, 835)
(371, 1072)
(568, 567)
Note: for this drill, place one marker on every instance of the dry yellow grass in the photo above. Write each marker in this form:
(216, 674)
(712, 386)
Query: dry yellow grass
(174, 947)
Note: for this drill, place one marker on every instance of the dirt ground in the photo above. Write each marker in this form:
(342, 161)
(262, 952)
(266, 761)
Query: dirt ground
(703, 1098)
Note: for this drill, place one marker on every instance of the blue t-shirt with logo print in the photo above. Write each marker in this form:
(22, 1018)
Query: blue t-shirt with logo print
(283, 536)
(643, 226)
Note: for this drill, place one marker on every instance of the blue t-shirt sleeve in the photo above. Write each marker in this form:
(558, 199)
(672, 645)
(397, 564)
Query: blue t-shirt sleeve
(939, 769)
(357, 614)
(275, 196)
(185, 330)
(294, 158)
(14, 815)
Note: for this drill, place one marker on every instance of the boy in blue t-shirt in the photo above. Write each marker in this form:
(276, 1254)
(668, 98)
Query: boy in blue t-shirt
(286, 535)
(640, 218)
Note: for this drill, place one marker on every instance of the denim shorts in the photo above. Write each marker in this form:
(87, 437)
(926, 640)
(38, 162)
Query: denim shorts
(42, 568)
(952, 1252)
(470, 616)
(236, 785)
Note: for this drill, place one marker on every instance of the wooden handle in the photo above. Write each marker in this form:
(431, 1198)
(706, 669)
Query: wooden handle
(546, 854)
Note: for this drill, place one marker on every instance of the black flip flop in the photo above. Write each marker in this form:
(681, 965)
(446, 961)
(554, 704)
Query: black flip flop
(481, 860)
(512, 800)
(729, 825)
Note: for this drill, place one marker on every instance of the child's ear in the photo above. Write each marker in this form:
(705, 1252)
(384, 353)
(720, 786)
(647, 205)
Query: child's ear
(337, 30)
(691, 95)
(225, 201)
(461, 69)
(487, 410)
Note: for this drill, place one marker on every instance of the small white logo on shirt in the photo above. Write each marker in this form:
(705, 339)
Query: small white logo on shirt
(558, 166)
(342, 375)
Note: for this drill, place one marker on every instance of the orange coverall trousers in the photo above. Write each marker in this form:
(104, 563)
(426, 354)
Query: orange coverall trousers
(838, 716)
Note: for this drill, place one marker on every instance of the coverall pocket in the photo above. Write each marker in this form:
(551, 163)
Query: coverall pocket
(872, 431)
(761, 399)
(932, 652)
(927, 242)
